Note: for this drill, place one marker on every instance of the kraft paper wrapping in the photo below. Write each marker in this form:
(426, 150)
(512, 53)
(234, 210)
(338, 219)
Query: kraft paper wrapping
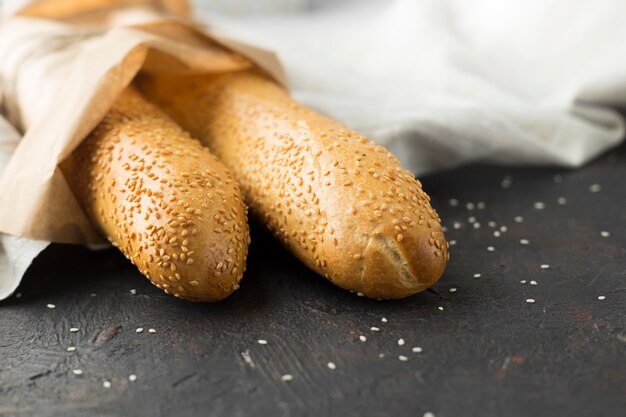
(58, 78)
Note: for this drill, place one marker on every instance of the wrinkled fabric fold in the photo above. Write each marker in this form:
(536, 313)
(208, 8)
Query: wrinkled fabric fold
(446, 82)
(16, 253)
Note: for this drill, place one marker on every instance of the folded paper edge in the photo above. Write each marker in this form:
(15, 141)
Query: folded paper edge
(15, 199)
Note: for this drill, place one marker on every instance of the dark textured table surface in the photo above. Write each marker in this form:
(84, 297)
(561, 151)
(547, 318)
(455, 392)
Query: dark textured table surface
(486, 350)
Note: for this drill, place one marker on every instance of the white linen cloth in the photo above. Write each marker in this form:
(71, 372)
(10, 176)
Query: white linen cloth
(16, 253)
(442, 82)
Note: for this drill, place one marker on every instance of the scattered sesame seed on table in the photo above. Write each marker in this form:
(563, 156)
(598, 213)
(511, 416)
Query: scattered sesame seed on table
(525, 329)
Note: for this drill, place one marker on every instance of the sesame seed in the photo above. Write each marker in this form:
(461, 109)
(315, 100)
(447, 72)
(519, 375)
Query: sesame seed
(359, 294)
(440, 308)
(471, 219)
(490, 249)
(453, 202)
(506, 182)
(51, 306)
(545, 266)
(530, 300)
(429, 414)
(469, 206)
(73, 329)
(384, 320)
(417, 349)
(481, 205)
(18, 295)
(523, 281)
(477, 275)
(533, 282)
(539, 205)
(476, 225)
(452, 289)
(71, 348)
(452, 242)
(601, 297)
(496, 233)
(605, 233)
(331, 366)
(287, 378)
(133, 291)
(132, 377)
(594, 188)
(106, 384)
(363, 338)
(561, 201)
(139, 329)
(524, 241)
(77, 371)
(400, 342)
(374, 329)
(456, 225)
(518, 219)
(491, 224)
(151, 330)
(381, 355)
(262, 342)
(403, 358)
(504, 229)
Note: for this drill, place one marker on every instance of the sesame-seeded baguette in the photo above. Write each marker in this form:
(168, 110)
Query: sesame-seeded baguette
(163, 199)
(341, 204)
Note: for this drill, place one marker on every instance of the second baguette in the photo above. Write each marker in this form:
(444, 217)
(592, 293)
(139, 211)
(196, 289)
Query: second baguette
(341, 204)
(163, 199)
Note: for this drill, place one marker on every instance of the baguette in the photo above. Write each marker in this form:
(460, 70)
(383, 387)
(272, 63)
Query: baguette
(342, 205)
(163, 199)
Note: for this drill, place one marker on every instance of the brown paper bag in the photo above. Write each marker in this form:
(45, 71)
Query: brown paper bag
(59, 77)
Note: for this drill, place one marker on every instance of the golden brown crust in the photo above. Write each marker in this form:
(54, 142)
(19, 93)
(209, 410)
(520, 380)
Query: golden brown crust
(163, 199)
(341, 204)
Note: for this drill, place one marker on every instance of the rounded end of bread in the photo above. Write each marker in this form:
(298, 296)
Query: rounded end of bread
(205, 261)
(391, 265)
(209, 287)
(399, 265)
(209, 269)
